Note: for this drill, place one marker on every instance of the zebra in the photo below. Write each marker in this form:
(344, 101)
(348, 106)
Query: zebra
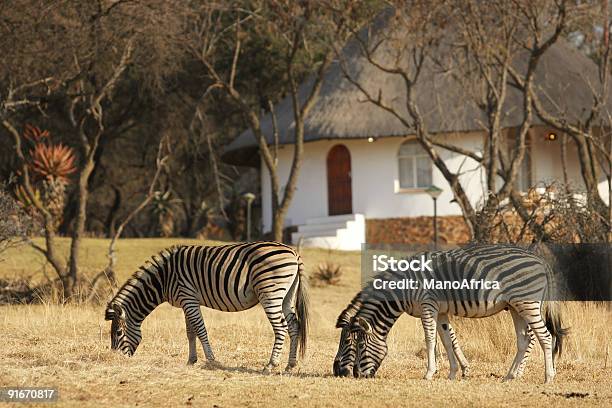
(525, 283)
(347, 347)
(229, 278)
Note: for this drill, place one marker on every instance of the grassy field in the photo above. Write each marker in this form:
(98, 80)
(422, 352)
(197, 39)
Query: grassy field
(68, 347)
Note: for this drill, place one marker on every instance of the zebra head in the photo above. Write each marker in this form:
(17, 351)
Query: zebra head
(125, 335)
(345, 357)
(371, 348)
(347, 347)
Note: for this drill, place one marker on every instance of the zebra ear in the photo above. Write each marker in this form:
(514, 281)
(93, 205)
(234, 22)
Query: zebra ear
(109, 313)
(345, 318)
(363, 325)
(118, 311)
(343, 321)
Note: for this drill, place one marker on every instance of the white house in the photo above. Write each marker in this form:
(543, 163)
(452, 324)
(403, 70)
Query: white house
(363, 173)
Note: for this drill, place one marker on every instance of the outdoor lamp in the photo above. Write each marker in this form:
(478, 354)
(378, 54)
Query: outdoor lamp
(249, 198)
(434, 192)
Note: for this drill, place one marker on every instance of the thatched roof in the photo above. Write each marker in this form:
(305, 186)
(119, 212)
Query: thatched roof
(564, 78)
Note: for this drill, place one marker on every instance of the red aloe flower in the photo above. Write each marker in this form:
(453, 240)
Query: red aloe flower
(34, 134)
(55, 161)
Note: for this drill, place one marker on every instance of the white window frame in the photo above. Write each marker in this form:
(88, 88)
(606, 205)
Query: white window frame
(414, 158)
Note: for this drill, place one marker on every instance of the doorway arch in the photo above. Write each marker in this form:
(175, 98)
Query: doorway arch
(339, 186)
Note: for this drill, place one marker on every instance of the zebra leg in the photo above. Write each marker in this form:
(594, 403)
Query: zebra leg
(289, 312)
(463, 362)
(294, 328)
(521, 368)
(274, 312)
(429, 318)
(451, 345)
(191, 337)
(448, 346)
(522, 343)
(532, 313)
(193, 316)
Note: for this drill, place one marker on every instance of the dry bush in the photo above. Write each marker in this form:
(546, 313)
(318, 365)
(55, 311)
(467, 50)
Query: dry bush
(23, 291)
(15, 224)
(563, 214)
(327, 273)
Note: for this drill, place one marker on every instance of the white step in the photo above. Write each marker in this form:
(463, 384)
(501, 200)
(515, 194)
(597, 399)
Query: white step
(322, 233)
(334, 219)
(344, 232)
(319, 233)
(321, 228)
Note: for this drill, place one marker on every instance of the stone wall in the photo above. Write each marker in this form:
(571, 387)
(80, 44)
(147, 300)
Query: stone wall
(416, 230)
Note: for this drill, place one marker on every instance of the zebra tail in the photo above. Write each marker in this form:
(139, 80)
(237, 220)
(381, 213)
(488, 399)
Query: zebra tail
(553, 320)
(302, 307)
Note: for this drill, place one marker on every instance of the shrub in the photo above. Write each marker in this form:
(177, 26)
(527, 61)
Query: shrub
(327, 273)
(15, 224)
(50, 165)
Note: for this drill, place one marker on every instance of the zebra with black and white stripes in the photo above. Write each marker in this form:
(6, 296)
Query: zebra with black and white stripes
(525, 286)
(344, 362)
(229, 278)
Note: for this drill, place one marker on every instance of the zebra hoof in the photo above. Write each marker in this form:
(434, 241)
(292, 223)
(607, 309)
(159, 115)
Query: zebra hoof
(192, 361)
(266, 371)
(290, 368)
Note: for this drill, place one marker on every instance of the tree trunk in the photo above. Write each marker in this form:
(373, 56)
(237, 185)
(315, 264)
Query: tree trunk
(278, 219)
(113, 213)
(79, 226)
(277, 226)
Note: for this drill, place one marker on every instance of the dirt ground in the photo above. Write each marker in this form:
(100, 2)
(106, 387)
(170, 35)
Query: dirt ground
(68, 347)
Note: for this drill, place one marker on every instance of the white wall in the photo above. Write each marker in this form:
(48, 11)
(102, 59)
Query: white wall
(547, 165)
(375, 175)
(374, 178)
(310, 198)
(546, 159)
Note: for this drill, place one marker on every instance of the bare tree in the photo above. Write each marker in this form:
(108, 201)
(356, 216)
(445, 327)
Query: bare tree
(109, 273)
(487, 48)
(217, 28)
(85, 52)
(589, 131)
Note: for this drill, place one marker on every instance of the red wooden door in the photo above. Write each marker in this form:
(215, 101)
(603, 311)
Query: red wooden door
(339, 191)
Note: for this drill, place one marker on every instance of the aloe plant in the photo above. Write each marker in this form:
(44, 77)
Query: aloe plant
(52, 161)
(34, 135)
(50, 165)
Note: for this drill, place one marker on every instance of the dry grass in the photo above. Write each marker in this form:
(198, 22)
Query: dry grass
(68, 347)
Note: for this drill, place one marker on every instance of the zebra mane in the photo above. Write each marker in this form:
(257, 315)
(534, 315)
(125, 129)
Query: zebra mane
(157, 261)
(151, 266)
(351, 310)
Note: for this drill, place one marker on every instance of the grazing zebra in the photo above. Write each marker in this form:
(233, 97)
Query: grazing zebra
(229, 278)
(525, 284)
(347, 347)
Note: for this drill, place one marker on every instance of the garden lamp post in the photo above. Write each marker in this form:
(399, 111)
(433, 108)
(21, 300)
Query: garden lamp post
(434, 192)
(249, 197)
